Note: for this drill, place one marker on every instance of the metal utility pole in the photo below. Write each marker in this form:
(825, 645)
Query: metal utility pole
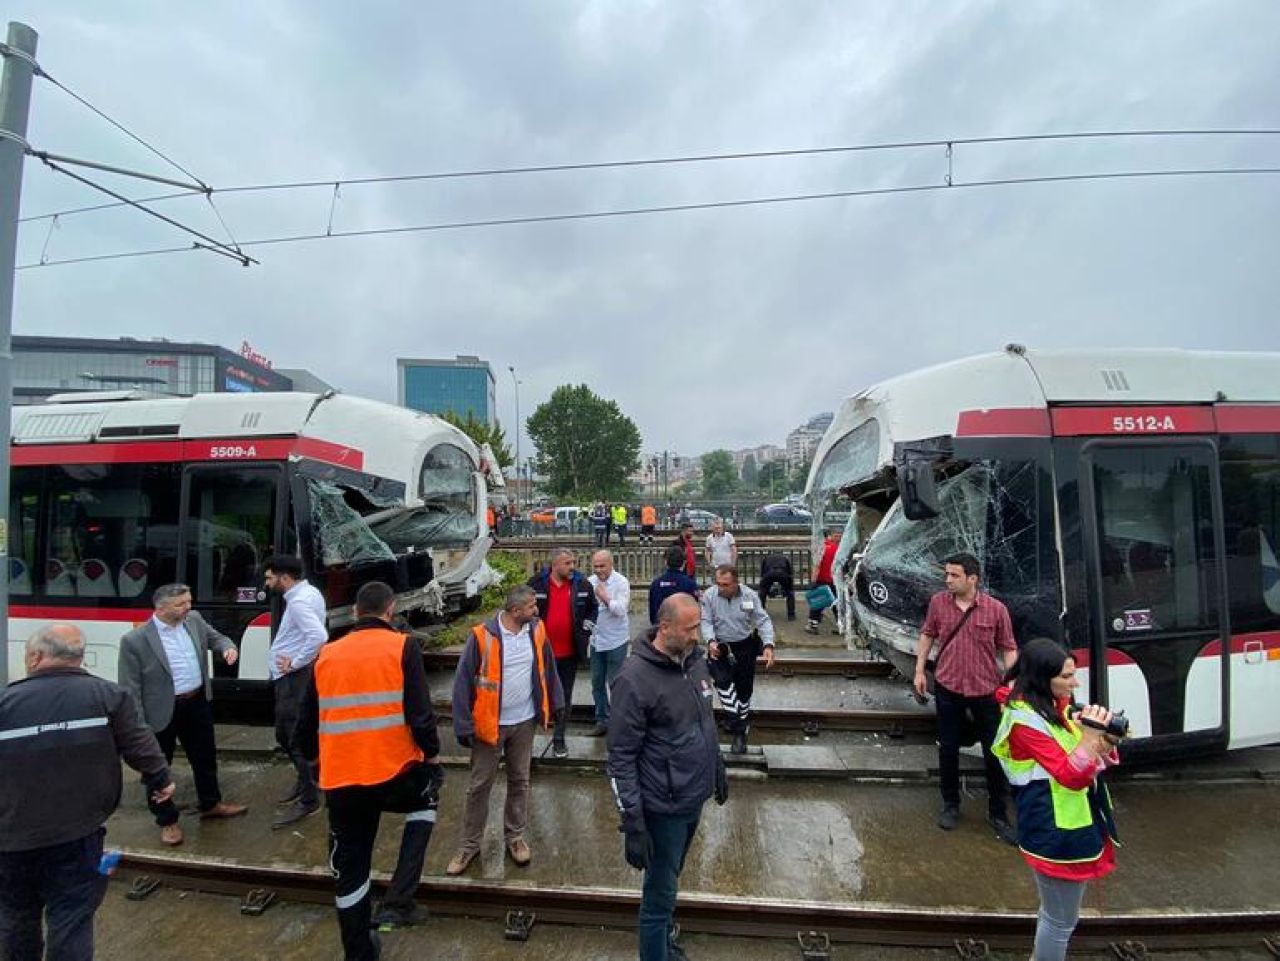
(511, 367)
(15, 107)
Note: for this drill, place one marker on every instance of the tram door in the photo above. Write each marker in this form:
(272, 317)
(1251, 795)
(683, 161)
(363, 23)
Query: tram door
(1155, 521)
(231, 525)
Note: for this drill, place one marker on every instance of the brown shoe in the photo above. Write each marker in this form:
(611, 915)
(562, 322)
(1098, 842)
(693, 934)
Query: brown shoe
(519, 851)
(171, 835)
(461, 861)
(224, 809)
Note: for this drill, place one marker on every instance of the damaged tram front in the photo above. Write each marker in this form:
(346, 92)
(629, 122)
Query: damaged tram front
(114, 494)
(1125, 503)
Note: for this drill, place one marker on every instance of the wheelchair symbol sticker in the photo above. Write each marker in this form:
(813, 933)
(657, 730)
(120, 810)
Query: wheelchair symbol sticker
(879, 593)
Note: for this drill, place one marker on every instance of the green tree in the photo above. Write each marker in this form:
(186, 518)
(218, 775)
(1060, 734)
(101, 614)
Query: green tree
(719, 476)
(482, 433)
(587, 448)
(750, 472)
(800, 476)
(772, 478)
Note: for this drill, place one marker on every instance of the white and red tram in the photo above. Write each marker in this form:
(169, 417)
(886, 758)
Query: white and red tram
(1125, 502)
(114, 494)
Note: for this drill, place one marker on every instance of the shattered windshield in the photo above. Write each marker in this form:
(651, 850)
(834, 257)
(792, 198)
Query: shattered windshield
(445, 482)
(415, 530)
(342, 534)
(851, 459)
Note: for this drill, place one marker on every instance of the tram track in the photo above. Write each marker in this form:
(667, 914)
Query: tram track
(863, 923)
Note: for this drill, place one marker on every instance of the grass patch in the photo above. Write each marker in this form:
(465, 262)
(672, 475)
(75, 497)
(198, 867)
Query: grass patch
(511, 571)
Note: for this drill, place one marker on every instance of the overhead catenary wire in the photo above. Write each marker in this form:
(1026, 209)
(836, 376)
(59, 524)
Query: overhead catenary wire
(530, 169)
(681, 208)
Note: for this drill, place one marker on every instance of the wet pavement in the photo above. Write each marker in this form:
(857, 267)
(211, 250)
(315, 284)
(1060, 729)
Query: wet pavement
(1186, 846)
(176, 926)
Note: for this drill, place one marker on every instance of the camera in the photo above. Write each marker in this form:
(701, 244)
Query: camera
(1117, 727)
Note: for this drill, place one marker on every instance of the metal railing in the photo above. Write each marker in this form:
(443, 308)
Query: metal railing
(642, 563)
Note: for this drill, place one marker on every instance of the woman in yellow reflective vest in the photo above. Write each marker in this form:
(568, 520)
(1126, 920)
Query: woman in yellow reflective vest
(1065, 826)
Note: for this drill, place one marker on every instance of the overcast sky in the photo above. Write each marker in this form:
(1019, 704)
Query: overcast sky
(709, 328)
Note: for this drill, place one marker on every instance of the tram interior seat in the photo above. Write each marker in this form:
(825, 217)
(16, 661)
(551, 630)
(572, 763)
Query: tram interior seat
(132, 580)
(59, 581)
(94, 579)
(19, 576)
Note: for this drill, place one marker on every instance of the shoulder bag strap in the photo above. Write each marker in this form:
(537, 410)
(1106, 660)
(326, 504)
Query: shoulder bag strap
(954, 631)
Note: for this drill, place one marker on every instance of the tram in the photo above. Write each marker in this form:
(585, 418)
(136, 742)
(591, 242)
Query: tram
(1123, 502)
(114, 493)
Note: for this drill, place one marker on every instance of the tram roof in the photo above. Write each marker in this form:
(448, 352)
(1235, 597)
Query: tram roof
(366, 435)
(929, 402)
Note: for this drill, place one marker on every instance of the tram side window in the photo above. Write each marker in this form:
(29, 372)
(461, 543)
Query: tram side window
(24, 520)
(1251, 515)
(1155, 524)
(112, 531)
(230, 532)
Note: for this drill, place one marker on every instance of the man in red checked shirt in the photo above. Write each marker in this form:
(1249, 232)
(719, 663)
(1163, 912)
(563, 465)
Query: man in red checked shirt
(568, 609)
(975, 646)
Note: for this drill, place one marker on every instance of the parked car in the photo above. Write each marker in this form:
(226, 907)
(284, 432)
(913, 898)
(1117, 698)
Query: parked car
(700, 519)
(570, 518)
(783, 514)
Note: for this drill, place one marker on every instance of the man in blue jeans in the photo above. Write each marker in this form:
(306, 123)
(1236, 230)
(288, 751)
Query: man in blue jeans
(664, 761)
(612, 633)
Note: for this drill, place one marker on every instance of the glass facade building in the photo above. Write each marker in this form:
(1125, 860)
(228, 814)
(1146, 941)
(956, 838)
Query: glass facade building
(461, 386)
(43, 366)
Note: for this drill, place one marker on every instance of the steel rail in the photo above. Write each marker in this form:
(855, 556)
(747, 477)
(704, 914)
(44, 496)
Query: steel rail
(784, 666)
(716, 913)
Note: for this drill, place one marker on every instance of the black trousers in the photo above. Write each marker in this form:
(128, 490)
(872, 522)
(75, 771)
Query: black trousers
(985, 715)
(57, 887)
(192, 727)
(289, 690)
(788, 591)
(354, 814)
(734, 675)
(567, 669)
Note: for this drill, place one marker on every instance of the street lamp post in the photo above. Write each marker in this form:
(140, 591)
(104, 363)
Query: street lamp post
(511, 367)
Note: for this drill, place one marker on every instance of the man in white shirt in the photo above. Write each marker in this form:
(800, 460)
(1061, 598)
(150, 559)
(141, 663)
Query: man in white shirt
(612, 635)
(722, 550)
(294, 649)
(164, 664)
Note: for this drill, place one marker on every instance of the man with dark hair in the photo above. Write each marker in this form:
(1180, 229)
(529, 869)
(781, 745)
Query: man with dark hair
(63, 733)
(568, 608)
(164, 664)
(293, 652)
(973, 631)
(776, 571)
(366, 715)
(664, 762)
(506, 686)
(684, 541)
(671, 581)
(825, 576)
(737, 629)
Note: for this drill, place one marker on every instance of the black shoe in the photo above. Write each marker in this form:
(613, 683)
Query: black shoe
(949, 818)
(294, 814)
(390, 918)
(739, 745)
(559, 749)
(1004, 830)
(289, 796)
(600, 730)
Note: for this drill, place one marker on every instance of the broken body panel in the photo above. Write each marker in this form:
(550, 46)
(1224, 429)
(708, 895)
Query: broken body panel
(1125, 503)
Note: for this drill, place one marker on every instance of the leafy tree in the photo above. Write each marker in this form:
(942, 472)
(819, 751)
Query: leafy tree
(772, 478)
(750, 472)
(587, 448)
(800, 476)
(719, 476)
(482, 433)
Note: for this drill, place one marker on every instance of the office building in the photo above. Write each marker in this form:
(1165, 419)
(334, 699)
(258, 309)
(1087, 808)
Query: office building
(462, 386)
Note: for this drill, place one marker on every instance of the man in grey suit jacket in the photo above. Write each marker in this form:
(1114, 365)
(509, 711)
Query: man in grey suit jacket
(164, 664)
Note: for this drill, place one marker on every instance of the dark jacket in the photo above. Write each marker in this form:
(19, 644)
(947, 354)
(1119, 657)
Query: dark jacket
(663, 753)
(419, 715)
(671, 581)
(775, 565)
(64, 733)
(464, 681)
(584, 604)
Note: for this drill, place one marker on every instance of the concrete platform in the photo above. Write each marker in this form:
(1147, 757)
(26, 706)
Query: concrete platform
(1202, 847)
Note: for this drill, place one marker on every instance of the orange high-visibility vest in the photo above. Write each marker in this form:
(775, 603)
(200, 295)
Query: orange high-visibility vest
(648, 516)
(491, 518)
(486, 707)
(363, 736)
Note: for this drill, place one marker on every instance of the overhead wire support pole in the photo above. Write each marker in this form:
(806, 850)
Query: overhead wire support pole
(15, 108)
(245, 259)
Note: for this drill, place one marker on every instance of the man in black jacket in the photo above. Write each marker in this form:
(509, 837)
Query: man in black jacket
(664, 761)
(62, 734)
(567, 607)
